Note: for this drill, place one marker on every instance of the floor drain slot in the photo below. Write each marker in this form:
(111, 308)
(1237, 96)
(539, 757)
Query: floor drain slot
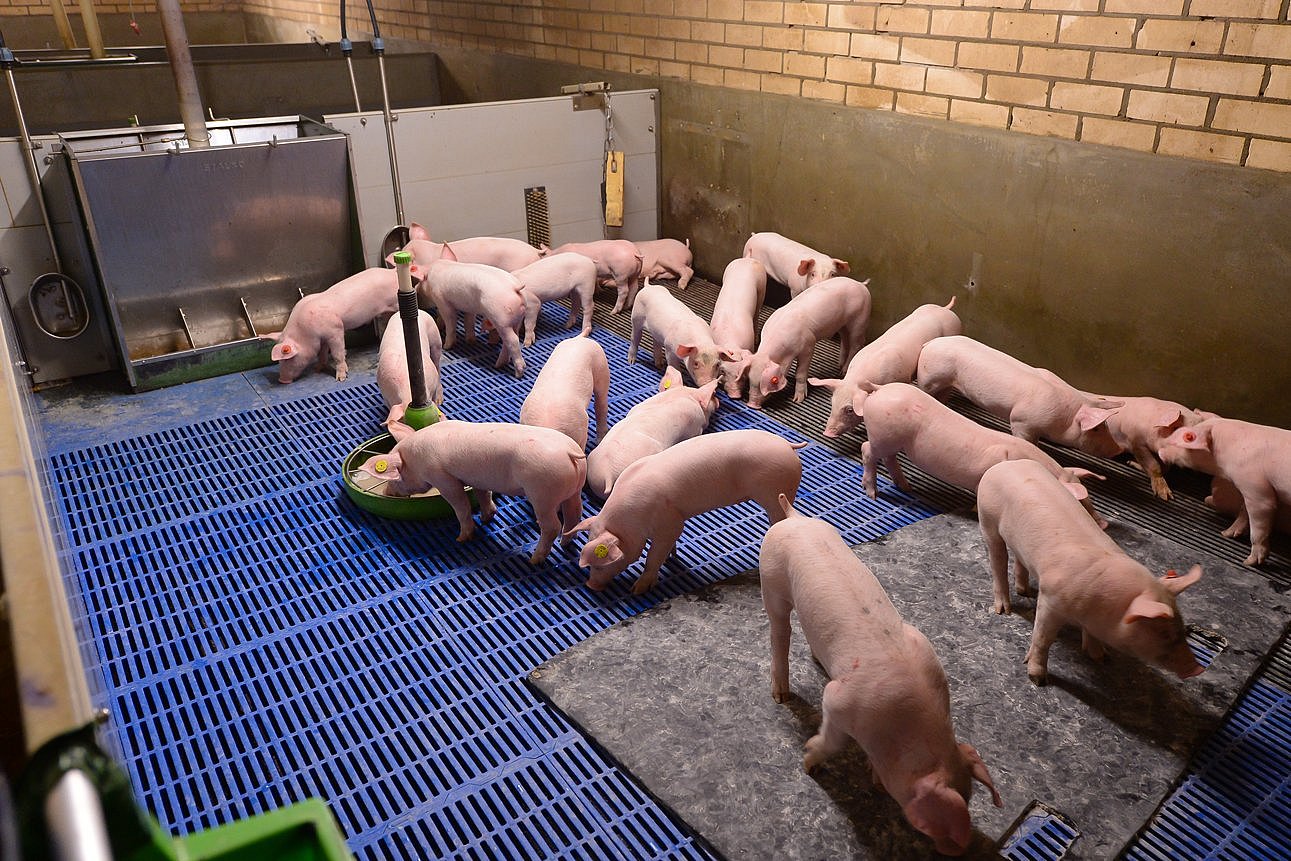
(1040, 834)
(1206, 645)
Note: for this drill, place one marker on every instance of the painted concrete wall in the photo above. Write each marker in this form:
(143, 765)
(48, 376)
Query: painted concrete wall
(1126, 273)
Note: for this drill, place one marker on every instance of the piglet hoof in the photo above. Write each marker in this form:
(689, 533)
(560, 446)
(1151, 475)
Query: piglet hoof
(1002, 608)
(780, 697)
(799, 398)
(528, 340)
(519, 370)
(643, 584)
(1026, 591)
(595, 587)
(463, 537)
(341, 373)
(1038, 679)
(537, 558)
(1161, 490)
(1256, 558)
(1233, 532)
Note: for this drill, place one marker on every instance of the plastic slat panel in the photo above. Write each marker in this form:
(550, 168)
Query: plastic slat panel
(261, 640)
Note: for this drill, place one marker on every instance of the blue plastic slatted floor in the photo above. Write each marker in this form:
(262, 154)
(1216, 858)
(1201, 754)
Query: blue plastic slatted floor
(261, 640)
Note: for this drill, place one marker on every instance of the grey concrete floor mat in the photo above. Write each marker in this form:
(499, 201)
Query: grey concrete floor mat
(681, 697)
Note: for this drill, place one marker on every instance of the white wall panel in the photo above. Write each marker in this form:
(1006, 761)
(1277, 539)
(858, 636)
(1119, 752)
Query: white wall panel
(464, 168)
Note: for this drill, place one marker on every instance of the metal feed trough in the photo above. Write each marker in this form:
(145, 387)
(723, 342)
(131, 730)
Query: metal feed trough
(197, 252)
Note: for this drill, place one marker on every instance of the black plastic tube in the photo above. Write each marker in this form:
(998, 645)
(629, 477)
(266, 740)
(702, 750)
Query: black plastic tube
(376, 31)
(409, 317)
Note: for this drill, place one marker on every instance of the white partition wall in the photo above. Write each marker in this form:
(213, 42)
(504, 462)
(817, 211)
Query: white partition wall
(464, 168)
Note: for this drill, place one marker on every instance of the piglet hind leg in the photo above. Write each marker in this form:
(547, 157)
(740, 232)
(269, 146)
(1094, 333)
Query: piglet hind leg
(831, 738)
(661, 546)
(548, 527)
(571, 512)
(1260, 508)
(776, 601)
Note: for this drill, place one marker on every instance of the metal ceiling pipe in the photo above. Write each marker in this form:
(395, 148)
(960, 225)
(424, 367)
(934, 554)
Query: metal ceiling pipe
(63, 23)
(93, 35)
(181, 65)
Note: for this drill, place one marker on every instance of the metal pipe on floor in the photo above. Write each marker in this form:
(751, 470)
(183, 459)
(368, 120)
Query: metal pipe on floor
(90, 20)
(75, 816)
(63, 24)
(181, 64)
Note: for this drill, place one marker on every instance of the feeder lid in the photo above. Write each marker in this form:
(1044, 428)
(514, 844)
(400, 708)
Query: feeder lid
(402, 258)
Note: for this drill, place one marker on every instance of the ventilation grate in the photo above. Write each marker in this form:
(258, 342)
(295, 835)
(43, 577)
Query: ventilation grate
(261, 640)
(537, 224)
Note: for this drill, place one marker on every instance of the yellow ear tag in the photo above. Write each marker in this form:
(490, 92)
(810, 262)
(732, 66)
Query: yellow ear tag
(382, 466)
(601, 551)
(667, 384)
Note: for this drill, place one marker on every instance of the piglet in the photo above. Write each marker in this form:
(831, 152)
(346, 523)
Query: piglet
(681, 337)
(676, 413)
(576, 373)
(392, 364)
(1256, 459)
(902, 418)
(744, 289)
(504, 253)
(617, 262)
(666, 258)
(1140, 425)
(316, 326)
(793, 264)
(556, 277)
(1036, 404)
(477, 290)
(893, 357)
(1085, 579)
(655, 496)
(839, 305)
(887, 690)
(538, 463)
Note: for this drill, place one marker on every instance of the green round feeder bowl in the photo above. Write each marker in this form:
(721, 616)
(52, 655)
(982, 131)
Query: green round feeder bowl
(366, 492)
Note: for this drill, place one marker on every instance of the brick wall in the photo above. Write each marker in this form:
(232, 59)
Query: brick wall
(1208, 79)
(41, 8)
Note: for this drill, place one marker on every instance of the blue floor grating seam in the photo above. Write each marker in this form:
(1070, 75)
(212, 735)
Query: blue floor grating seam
(261, 640)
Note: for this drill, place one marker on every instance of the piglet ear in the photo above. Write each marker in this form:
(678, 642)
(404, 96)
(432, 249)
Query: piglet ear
(858, 402)
(1167, 417)
(1190, 438)
(727, 355)
(685, 350)
(390, 260)
(1176, 583)
(399, 430)
(581, 526)
(447, 253)
(284, 349)
(842, 267)
(706, 392)
(416, 231)
(806, 265)
(1076, 489)
(941, 813)
(980, 774)
(671, 379)
(1144, 607)
(1091, 417)
(602, 549)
